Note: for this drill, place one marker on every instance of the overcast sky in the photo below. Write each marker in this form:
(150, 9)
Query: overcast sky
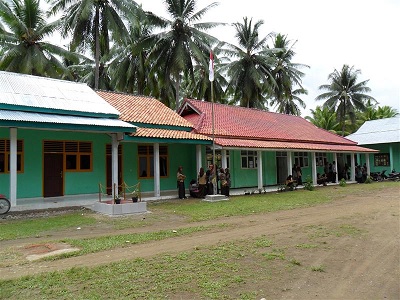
(360, 33)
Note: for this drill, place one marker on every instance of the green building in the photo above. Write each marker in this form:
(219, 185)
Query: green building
(61, 138)
(382, 135)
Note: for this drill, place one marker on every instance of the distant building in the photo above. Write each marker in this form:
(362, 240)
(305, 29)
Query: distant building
(382, 135)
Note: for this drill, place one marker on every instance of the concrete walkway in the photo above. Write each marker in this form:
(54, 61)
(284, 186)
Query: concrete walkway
(89, 199)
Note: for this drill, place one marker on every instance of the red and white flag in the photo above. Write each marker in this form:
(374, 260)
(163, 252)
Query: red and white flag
(211, 67)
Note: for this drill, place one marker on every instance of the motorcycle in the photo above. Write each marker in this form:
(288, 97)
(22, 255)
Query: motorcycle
(378, 176)
(5, 205)
(394, 176)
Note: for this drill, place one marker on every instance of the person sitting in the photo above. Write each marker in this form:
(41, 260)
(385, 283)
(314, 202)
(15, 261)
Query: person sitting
(290, 183)
(194, 189)
(322, 179)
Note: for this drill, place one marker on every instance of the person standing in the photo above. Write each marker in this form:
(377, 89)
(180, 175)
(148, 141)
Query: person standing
(202, 181)
(228, 181)
(211, 180)
(299, 174)
(181, 183)
(294, 172)
(222, 180)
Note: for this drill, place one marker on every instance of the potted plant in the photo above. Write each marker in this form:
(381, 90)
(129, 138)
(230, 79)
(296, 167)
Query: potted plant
(135, 197)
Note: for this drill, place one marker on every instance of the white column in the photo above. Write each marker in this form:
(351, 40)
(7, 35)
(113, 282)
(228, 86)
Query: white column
(313, 168)
(114, 164)
(367, 163)
(259, 170)
(336, 175)
(13, 166)
(353, 166)
(289, 163)
(223, 162)
(391, 157)
(157, 192)
(198, 158)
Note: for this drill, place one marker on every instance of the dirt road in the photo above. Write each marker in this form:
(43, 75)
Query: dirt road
(363, 266)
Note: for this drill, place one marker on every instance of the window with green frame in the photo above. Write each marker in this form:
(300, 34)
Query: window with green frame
(382, 159)
(5, 156)
(249, 159)
(301, 159)
(146, 161)
(320, 159)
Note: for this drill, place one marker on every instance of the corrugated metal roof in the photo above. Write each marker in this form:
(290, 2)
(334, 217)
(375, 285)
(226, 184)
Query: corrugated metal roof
(40, 93)
(29, 117)
(378, 132)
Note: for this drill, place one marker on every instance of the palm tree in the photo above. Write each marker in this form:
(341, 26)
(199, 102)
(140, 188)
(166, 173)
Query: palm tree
(182, 44)
(372, 112)
(344, 94)
(23, 46)
(287, 77)
(250, 71)
(128, 68)
(287, 105)
(323, 118)
(92, 23)
(200, 87)
(386, 111)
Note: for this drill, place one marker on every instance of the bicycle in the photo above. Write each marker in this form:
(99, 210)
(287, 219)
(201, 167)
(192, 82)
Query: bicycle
(5, 205)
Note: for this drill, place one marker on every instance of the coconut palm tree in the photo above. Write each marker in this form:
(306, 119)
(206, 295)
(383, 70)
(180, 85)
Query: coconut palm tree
(200, 87)
(287, 77)
(128, 68)
(250, 69)
(386, 111)
(344, 94)
(92, 23)
(22, 38)
(291, 102)
(323, 118)
(181, 44)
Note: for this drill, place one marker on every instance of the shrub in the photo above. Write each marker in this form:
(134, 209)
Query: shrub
(342, 182)
(308, 185)
(368, 180)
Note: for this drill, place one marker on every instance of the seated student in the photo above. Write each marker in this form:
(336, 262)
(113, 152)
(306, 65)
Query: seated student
(322, 179)
(194, 189)
(290, 182)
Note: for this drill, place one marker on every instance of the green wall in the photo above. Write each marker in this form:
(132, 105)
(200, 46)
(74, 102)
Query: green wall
(383, 148)
(29, 182)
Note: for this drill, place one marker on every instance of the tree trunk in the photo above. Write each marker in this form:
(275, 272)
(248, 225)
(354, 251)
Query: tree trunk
(177, 87)
(97, 48)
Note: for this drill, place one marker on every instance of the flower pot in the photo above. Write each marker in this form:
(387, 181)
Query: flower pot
(117, 201)
(134, 199)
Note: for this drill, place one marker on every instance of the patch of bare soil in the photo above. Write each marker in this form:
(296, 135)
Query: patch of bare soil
(352, 248)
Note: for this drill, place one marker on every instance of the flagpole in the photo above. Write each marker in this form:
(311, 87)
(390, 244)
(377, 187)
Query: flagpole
(213, 130)
(211, 77)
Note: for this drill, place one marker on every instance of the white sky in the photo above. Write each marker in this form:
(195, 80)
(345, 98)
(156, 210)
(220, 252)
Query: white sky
(360, 33)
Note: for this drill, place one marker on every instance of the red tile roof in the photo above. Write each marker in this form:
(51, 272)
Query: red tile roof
(246, 127)
(142, 109)
(275, 145)
(234, 121)
(168, 134)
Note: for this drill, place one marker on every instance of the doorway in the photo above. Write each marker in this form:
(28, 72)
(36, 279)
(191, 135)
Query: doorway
(53, 173)
(281, 166)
